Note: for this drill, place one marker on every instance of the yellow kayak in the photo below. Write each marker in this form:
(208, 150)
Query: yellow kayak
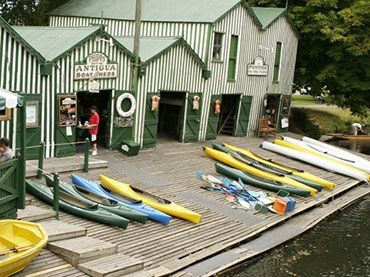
(314, 153)
(325, 183)
(229, 160)
(20, 241)
(155, 202)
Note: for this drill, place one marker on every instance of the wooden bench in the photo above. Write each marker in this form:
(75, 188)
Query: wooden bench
(265, 127)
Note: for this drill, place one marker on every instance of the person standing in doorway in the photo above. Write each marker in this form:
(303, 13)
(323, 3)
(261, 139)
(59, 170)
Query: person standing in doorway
(94, 128)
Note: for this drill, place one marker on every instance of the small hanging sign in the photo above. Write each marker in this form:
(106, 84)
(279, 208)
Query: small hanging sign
(94, 86)
(258, 67)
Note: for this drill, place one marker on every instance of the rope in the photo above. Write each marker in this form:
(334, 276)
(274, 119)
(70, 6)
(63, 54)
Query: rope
(36, 167)
(58, 144)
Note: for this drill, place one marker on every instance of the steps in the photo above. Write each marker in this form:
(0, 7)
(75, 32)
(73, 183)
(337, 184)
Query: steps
(34, 213)
(228, 126)
(58, 230)
(115, 265)
(82, 249)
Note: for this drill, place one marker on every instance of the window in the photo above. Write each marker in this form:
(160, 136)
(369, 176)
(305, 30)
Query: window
(276, 76)
(231, 72)
(5, 114)
(217, 46)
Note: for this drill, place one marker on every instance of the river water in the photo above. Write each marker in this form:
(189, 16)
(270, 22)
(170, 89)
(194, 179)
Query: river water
(338, 246)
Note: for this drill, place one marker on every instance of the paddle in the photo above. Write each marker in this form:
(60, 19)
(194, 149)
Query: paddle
(15, 250)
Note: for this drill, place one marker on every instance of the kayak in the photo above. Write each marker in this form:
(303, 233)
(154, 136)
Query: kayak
(315, 161)
(75, 206)
(154, 201)
(338, 153)
(229, 160)
(350, 137)
(297, 172)
(266, 168)
(20, 242)
(109, 205)
(302, 147)
(258, 182)
(123, 200)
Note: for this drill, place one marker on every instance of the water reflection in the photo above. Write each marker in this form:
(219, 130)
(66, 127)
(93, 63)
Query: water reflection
(357, 146)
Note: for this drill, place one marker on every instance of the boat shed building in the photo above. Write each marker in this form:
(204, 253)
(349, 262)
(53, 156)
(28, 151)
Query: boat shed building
(205, 68)
(249, 52)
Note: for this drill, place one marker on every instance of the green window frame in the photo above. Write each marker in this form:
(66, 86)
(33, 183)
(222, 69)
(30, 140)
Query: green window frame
(233, 55)
(217, 46)
(276, 76)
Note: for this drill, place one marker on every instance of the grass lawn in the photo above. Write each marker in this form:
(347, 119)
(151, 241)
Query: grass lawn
(334, 119)
(303, 100)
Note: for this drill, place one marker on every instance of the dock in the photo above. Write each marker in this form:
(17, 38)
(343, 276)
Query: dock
(224, 238)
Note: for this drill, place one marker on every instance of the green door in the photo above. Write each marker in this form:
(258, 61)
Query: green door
(33, 130)
(192, 119)
(151, 123)
(119, 132)
(213, 119)
(242, 116)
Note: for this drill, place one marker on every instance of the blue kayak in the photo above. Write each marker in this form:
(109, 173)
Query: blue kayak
(97, 189)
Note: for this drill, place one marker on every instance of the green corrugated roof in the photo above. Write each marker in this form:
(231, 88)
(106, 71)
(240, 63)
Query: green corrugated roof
(51, 42)
(149, 46)
(266, 16)
(152, 10)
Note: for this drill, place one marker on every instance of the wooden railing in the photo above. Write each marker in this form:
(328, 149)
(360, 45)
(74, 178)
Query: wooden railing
(11, 188)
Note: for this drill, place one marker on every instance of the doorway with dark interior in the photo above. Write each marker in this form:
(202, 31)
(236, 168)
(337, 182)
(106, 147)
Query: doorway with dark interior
(228, 114)
(171, 115)
(85, 100)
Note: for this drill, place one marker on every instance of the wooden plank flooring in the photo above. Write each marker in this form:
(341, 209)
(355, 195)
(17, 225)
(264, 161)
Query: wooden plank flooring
(166, 249)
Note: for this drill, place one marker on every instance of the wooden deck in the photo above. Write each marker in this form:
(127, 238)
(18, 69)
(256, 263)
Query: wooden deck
(169, 170)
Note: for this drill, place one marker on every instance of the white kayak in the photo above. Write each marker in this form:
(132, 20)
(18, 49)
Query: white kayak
(324, 153)
(315, 161)
(336, 151)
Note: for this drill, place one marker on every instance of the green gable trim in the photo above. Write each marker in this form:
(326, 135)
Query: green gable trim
(22, 41)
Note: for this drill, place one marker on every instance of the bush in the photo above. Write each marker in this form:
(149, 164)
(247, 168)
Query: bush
(300, 122)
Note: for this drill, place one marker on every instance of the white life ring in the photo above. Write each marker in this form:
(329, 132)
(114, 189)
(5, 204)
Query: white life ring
(119, 104)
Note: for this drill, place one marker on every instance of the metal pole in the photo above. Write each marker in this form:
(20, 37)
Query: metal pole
(56, 195)
(86, 155)
(41, 160)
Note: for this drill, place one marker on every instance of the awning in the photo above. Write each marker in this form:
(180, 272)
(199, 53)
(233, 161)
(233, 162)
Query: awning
(9, 99)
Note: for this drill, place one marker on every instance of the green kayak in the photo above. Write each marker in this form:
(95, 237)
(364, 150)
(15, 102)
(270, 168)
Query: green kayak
(106, 204)
(258, 182)
(265, 167)
(74, 206)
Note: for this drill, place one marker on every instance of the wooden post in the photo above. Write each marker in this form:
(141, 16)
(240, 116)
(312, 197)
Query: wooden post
(41, 160)
(86, 155)
(56, 195)
(22, 159)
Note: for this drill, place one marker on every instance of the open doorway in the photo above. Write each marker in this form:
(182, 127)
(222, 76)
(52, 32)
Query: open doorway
(171, 115)
(228, 114)
(271, 108)
(102, 101)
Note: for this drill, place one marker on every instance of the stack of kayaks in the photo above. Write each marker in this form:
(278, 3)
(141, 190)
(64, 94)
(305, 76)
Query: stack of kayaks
(129, 202)
(300, 150)
(257, 173)
(75, 206)
(20, 241)
(156, 202)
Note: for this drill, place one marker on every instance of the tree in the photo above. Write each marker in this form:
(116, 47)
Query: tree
(334, 48)
(28, 12)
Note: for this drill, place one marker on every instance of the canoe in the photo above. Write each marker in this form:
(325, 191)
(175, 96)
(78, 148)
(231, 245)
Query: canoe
(315, 161)
(350, 137)
(258, 182)
(302, 147)
(131, 203)
(266, 168)
(229, 160)
(109, 205)
(154, 201)
(74, 206)
(297, 172)
(20, 242)
(339, 153)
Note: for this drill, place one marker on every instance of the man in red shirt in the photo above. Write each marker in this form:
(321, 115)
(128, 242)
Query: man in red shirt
(94, 127)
